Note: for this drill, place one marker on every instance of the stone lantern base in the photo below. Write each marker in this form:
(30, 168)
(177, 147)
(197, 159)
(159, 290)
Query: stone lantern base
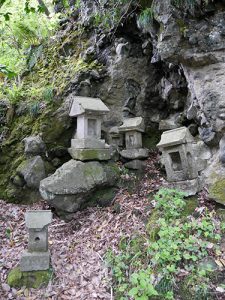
(190, 187)
(35, 261)
(90, 154)
(140, 153)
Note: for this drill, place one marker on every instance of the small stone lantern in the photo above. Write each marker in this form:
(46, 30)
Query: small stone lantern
(87, 143)
(133, 129)
(37, 258)
(115, 137)
(177, 147)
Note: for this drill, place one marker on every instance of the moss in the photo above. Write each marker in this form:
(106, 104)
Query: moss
(103, 197)
(217, 191)
(34, 279)
(152, 227)
(182, 26)
(191, 204)
(221, 213)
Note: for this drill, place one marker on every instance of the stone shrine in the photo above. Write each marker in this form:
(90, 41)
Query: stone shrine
(115, 137)
(133, 129)
(180, 156)
(37, 258)
(87, 143)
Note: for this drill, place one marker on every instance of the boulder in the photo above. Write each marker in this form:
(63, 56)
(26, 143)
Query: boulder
(34, 145)
(32, 171)
(75, 184)
(135, 164)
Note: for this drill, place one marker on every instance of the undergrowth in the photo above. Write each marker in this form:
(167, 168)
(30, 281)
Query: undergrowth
(151, 269)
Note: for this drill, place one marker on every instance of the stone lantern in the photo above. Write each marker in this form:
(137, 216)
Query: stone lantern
(133, 129)
(183, 158)
(115, 137)
(177, 154)
(37, 258)
(87, 143)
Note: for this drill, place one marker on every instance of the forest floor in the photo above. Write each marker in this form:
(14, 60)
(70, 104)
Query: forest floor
(78, 247)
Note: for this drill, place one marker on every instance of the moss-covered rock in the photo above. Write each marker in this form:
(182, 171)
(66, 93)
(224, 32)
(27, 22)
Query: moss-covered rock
(191, 204)
(34, 279)
(217, 191)
(76, 185)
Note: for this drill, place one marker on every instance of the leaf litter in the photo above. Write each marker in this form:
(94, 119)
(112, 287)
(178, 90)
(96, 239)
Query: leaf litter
(79, 246)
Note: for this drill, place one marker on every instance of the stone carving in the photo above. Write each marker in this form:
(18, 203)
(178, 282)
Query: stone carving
(37, 258)
(87, 143)
(133, 129)
(183, 159)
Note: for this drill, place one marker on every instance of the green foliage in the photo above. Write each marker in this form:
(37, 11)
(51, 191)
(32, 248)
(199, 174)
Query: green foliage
(14, 93)
(145, 268)
(145, 17)
(8, 73)
(22, 31)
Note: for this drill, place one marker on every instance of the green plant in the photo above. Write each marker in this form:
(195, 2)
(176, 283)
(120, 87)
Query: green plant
(146, 16)
(144, 268)
(14, 93)
(170, 202)
(48, 94)
(34, 109)
(142, 287)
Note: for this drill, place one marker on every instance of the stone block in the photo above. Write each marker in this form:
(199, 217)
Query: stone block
(131, 124)
(38, 219)
(135, 153)
(38, 240)
(133, 140)
(87, 144)
(90, 154)
(35, 261)
(190, 187)
(135, 164)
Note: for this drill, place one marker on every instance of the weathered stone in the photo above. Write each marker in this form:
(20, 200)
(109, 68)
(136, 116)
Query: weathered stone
(217, 191)
(135, 153)
(179, 154)
(90, 154)
(222, 150)
(135, 164)
(190, 187)
(132, 124)
(34, 145)
(83, 105)
(35, 261)
(37, 222)
(87, 143)
(38, 219)
(74, 184)
(32, 171)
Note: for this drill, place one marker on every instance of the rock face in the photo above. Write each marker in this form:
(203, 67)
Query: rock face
(169, 71)
(76, 183)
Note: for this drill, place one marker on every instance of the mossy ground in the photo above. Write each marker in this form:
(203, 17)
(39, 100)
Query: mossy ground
(34, 279)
